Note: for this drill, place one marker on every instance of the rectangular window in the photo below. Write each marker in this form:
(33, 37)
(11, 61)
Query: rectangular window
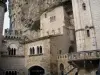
(45, 15)
(52, 19)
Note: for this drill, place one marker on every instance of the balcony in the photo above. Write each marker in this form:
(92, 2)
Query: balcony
(86, 55)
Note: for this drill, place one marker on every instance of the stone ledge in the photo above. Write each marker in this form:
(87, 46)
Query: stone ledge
(22, 56)
(36, 55)
(40, 38)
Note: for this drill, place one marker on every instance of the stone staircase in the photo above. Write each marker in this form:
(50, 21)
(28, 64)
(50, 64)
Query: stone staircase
(70, 69)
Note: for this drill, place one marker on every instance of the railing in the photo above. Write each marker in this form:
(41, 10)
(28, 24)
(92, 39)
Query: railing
(84, 55)
(62, 56)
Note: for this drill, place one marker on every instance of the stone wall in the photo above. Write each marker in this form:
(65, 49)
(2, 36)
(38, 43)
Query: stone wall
(94, 5)
(12, 64)
(84, 25)
(43, 59)
(26, 10)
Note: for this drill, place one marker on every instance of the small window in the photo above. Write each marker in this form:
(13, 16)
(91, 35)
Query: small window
(40, 49)
(52, 19)
(60, 51)
(84, 6)
(14, 51)
(33, 51)
(45, 15)
(88, 33)
(30, 51)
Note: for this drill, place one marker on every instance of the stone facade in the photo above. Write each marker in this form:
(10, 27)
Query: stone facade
(54, 40)
(43, 35)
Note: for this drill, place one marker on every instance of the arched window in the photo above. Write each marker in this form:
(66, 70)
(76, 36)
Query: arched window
(71, 49)
(33, 51)
(40, 49)
(14, 51)
(11, 73)
(7, 73)
(60, 51)
(84, 6)
(30, 51)
(15, 72)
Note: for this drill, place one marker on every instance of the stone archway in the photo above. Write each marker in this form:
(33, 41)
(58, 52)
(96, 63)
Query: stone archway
(62, 69)
(36, 70)
(71, 49)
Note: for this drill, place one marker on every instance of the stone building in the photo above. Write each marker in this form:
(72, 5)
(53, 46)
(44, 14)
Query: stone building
(86, 19)
(51, 37)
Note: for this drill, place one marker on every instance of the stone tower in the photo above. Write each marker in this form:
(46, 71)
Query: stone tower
(86, 13)
(2, 11)
(87, 29)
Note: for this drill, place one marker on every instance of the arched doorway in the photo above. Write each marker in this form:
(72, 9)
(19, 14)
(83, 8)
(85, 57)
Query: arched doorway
(62, 69)
(36, 70)
(76, 73)
(71, 49)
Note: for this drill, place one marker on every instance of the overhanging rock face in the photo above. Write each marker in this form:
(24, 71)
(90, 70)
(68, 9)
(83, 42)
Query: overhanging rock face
(20, 9)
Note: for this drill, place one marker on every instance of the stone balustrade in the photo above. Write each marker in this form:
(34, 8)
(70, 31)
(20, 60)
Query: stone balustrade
(62, 56)
(86, 55)
(12, 34)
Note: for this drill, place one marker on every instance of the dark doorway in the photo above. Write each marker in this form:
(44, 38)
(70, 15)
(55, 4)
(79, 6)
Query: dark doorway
(62, 69)
(76, 73)
(36, 70)
(71, 49)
